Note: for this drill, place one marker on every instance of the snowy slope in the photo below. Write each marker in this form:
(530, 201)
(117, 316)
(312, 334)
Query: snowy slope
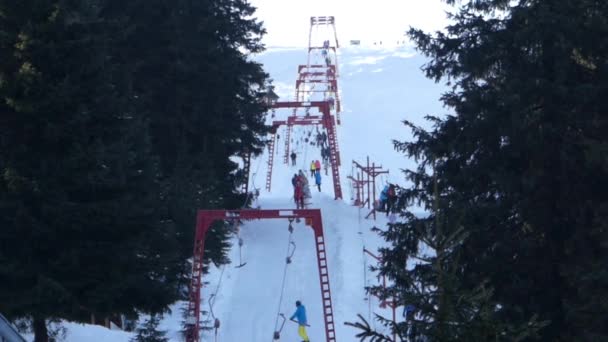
(379, 88)
(248, 301)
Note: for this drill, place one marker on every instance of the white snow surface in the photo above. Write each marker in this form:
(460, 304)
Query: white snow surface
(379, 88)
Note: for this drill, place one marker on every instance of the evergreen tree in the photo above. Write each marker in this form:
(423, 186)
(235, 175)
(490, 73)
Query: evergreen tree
(522, 160)
(79, 197)
(188, 69)
(422, 262)
(149, 331)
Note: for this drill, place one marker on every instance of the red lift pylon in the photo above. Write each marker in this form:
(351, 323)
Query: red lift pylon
(371, 171)
(316, 86)
(270, 158)
(358, 183)
(204, 220)
(321, 67)
(328, 123)
(246, 169)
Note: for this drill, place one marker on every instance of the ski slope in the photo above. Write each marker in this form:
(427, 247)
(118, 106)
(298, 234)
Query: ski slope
(249, 298)
(379, 88)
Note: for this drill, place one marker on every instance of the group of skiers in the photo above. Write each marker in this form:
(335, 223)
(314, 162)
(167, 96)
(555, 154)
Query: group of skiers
(301, 188)
(324, 146)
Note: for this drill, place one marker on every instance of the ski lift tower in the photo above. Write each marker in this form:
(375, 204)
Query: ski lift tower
(320, 74)
(325, 119)
(318, 78)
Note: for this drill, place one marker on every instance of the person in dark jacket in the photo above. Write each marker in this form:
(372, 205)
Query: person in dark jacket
(293, 158)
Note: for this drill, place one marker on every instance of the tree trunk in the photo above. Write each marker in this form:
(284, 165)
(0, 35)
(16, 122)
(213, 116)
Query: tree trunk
(40, 332)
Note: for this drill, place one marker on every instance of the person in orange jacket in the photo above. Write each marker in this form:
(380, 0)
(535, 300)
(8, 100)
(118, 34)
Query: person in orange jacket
(318, 166)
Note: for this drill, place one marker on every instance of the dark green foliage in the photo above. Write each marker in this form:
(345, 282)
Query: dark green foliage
(78, 193)
(521, 167)
(185, 65)
(117, 122)
(149, 332)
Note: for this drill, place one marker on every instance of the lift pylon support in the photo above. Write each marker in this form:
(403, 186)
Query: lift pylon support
(204, 220)
(246, 170)
(328, 122)
(270, 161)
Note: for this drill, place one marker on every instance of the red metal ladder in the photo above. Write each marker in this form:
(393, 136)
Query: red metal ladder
(330, 332)
(287, 138)
(246, 169)
(334, 156)
(270, 162)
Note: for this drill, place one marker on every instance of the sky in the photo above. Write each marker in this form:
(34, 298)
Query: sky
(288, 21)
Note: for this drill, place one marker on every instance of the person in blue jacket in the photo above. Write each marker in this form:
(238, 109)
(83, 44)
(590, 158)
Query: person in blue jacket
(300, 315)
(318, 179)
(384, 198)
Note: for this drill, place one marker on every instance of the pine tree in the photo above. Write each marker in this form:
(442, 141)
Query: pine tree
(149, 331)
(79, 197)
(422, 263)
(523, 157)
(186, 65)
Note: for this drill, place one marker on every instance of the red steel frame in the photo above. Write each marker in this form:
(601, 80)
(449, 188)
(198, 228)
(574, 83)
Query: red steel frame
(372, 171)
(246, 169)
(358, 186)
(328, 122)
(204, 220)
(328, 73)
(311, 75)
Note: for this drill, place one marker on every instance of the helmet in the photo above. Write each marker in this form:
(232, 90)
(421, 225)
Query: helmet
(298, 303)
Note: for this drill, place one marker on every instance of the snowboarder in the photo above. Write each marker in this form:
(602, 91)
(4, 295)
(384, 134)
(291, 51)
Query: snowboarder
(300, 315)
(293, 158)
(318, 180)
(313, 167)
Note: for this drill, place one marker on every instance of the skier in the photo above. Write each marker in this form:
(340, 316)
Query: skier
(383, 199)
(313, 167)
(318, 179)
(331, 102)
(409, 312)
(300, 314)
(293, 158)
(327, 155)
(391, 198)
(305, 185)
(298, 194)
(294, 180)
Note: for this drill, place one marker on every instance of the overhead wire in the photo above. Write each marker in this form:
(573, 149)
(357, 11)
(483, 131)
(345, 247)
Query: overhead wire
(213, 296)
(287, 262)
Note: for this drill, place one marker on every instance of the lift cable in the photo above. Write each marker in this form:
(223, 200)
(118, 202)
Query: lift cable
(213, 296)
(290, 252)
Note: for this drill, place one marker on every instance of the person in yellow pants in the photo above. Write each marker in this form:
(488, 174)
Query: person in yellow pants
(300, 316)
